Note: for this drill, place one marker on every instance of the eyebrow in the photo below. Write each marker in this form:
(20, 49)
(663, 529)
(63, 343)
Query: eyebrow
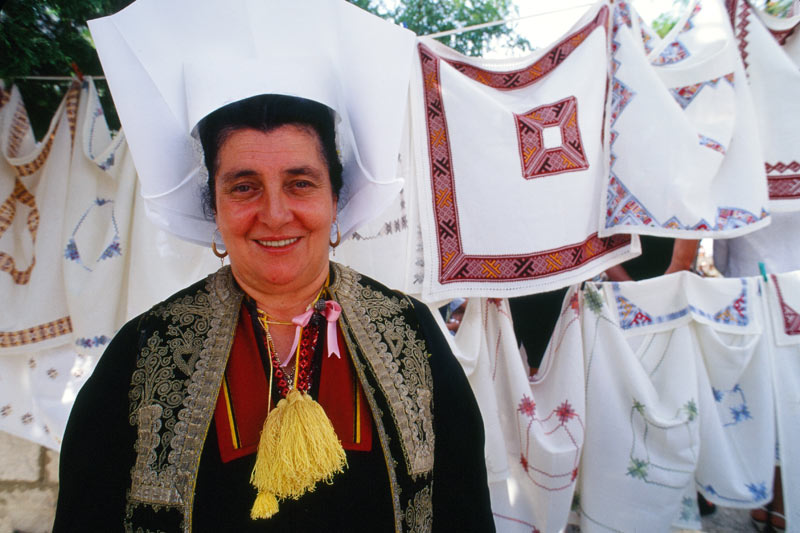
(303, 170)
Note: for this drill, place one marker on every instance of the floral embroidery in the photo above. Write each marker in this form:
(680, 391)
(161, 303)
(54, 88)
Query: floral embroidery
(113, 249)
(174, 390)
(93, 342)
(419, 513)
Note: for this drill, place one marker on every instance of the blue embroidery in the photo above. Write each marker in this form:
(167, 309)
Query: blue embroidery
(633, 316)
(113, 249)
(86, 342)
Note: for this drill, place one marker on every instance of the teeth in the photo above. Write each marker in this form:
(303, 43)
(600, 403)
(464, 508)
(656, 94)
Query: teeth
(278, 244)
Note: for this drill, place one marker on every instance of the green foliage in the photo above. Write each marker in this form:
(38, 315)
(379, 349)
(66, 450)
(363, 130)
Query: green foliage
(424, 17)
(667, 20)
(43, 38)
(778, 8)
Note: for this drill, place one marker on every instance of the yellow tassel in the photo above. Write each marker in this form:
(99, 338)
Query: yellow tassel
(266, 505)
(298, 448)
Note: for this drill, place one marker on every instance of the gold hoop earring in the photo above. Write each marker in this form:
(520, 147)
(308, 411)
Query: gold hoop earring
(221, 255)
(338, 236)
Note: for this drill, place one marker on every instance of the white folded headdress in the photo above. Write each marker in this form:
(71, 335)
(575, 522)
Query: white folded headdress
(169, 63)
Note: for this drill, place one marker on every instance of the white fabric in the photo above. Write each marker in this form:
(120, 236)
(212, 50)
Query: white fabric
(542, 419)
(737, 413)
(777, 103)
(33, 189)
(777, 246)
(642, 428)
(703, 174)
(170, 64)
(511, 159)
(476, 358)
(783, 299)
(37, 390)
(160, 263)
(388, 248)
(96, 231)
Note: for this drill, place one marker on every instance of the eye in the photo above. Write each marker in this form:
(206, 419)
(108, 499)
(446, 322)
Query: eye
(241, 187)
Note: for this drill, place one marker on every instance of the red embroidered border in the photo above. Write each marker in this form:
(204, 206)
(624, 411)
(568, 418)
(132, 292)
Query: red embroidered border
(454, 265)
(50, 330)
(72, 97)
(783, 186)
(538, 161)
(791, 318)
(516, 79)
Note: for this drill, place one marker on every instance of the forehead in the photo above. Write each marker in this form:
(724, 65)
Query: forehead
(286, 145)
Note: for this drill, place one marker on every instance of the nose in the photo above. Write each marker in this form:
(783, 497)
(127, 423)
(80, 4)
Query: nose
(275, 210)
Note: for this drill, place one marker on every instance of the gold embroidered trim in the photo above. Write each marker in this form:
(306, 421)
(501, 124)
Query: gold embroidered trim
(398, 359)
(377, 418)
(172, 416)
(42, 332)
(419, 513)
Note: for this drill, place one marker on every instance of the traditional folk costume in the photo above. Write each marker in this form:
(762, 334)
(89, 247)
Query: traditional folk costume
(162, 436)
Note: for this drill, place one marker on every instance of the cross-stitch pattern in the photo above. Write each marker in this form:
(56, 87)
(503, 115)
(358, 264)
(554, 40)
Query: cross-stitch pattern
(643, 466)
(632, 316)
(783, 180)
(686, 95)
(791, 318)
(538, 161)
(454, 265)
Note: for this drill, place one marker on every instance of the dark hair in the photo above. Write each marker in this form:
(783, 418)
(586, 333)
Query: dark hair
(265, 113)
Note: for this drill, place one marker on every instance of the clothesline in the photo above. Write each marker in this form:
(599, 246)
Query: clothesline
(446, 33)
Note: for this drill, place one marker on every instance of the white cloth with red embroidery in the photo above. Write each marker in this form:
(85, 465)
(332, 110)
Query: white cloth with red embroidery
(678, 398)
(534, 428)
(33, 191)
(775, 85)
(96, 232)
(702, 175)
(511, 160)
(783, 300)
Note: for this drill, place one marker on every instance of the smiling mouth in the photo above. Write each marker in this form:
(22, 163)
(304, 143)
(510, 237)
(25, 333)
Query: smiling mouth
(278, 244)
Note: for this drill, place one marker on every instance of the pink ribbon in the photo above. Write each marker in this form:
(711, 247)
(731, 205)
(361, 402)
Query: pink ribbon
(331, 313)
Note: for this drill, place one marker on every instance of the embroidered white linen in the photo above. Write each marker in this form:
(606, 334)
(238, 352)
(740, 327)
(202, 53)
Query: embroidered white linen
(764, 41)
(33, 192)
(506, 149)
(170, 64)
(783, 299)
(708, 179)
(678, 397)
(534, 427)
(97, 223)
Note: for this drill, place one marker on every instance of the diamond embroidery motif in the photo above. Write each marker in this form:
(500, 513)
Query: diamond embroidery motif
(537, 159)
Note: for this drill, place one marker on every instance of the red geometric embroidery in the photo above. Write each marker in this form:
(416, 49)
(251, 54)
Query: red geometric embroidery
(516, 79)
(539, 161)
(42, 332)
(8, 211)
(791, 318)
(782, 35)
(456, 266)
(783, 186)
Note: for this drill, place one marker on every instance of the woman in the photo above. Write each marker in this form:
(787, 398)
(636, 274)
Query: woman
(163, 437)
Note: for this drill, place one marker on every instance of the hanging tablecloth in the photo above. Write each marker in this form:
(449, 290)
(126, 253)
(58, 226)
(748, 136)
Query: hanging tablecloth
(511, 160)
(783, 300)
(702, 174)
(33, 190)
(96, 232)
(541, 419)
(764, 42)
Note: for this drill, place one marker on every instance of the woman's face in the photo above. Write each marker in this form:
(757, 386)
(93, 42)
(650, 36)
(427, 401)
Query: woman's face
(275, 207)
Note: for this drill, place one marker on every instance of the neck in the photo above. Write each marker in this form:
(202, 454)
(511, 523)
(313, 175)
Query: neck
(283, 304)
